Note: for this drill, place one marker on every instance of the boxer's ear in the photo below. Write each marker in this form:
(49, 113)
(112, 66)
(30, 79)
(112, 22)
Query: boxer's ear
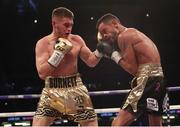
(114, 23)
(53, 22)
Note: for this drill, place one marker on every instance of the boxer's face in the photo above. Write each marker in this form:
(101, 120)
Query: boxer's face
(108, 32)
(63, 26)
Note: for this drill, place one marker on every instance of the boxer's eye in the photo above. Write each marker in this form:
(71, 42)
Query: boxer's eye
(67, 25)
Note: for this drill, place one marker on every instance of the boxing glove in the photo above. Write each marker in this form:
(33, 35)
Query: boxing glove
(107, 50)
(96, 52)
(99, 37)
(61, 47)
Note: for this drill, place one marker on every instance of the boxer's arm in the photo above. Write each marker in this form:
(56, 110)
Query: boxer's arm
(128, 62)
(42, 55)
(88, 56)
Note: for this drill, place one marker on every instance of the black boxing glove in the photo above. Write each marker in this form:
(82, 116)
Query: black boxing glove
(105, 49)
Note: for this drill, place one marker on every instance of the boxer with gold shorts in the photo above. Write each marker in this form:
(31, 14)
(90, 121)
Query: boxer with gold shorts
(57, 55)
(138, 55)
(65, 97)
(148, 91)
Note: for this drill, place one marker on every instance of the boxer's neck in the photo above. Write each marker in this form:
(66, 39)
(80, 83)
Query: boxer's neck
(123, 29)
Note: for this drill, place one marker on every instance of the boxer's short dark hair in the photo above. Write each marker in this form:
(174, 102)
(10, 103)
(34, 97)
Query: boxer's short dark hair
(106, 18)
(62, 12)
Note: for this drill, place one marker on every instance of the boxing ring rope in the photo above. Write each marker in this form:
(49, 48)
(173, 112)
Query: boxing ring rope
(93, 93)
(102, 110)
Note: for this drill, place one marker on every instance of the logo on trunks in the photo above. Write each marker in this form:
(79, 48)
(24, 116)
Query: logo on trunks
(165, 103)
(157, 86)
(61, 46)
(152, 104)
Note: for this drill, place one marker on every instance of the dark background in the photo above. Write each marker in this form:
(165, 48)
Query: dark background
(159, 19)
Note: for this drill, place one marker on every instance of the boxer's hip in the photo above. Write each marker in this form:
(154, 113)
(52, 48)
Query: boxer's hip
(69, 96)
(149, 70)
(139, 82)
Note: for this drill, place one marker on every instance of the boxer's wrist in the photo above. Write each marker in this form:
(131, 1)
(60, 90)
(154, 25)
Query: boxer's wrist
(55, 58)
(98, 54)
(116, 56)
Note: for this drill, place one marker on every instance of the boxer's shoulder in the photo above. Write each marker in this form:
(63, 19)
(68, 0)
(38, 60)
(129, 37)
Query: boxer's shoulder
(44, 42)
(128, 32)
(74, 38)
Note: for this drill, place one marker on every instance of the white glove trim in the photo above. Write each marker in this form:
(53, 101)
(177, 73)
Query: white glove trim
(98, 54)
(116, 56)
(55, 58)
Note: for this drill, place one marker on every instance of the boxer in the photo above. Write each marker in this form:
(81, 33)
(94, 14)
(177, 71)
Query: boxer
(64, 95)
(139, 56)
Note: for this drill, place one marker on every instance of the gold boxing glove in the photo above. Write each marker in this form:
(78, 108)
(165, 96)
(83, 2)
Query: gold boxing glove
(61, 47)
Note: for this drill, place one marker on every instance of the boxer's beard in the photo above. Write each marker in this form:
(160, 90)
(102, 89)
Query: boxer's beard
(115, 46)
(114, 36)
(114, 40)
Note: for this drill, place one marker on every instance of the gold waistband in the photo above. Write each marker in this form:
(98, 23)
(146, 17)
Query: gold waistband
(62, 81)
(149, 70)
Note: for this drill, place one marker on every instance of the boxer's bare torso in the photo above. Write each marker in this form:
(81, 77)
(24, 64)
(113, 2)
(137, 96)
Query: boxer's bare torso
(136, 49)
(68, 65)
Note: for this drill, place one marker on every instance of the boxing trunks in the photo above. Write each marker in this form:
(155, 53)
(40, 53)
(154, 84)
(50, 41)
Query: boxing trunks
(65, 98)
(148, 91)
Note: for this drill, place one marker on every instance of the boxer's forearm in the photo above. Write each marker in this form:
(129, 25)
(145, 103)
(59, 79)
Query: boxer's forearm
(44, 70)
(89, 57)
(128, 67)
(93, 60)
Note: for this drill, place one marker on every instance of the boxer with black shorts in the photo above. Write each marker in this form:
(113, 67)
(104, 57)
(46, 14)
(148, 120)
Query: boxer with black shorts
(64, 95)
(138, 55)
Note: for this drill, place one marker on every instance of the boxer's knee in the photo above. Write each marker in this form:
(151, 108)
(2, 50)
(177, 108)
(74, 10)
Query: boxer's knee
(114, 122)
(155, 120)
(90, 123)
(123, 119)
(44, 121)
